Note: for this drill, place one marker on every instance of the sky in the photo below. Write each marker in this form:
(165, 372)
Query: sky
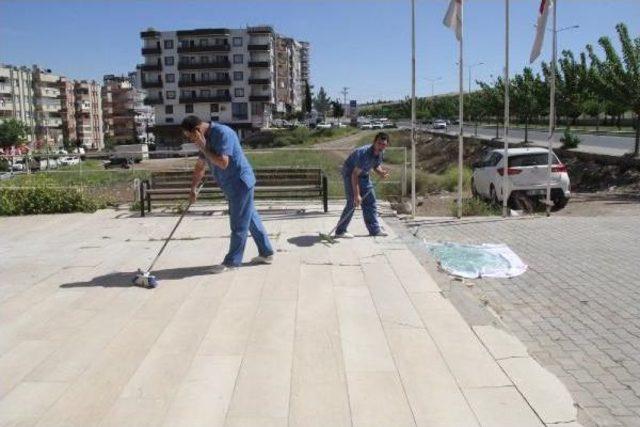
(364, 45)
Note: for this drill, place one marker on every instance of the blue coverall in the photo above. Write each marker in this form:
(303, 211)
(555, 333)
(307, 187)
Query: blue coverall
(364, 159)
(237, 182)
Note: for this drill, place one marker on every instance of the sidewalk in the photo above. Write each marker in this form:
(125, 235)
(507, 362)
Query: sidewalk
(356, 333)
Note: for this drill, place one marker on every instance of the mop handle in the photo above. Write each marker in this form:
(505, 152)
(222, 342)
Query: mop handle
(174, 229)
(347, 216)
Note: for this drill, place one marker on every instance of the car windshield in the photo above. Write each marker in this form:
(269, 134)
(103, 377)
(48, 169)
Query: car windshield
(537, 159)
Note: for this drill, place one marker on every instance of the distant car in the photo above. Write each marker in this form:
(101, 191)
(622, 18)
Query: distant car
(17, 166)
(5, 175)
(323, 125)
(339, 125)
(439, 124)
(68, 160)
(527, 174)
(122, 162)
(377, 125)
(389, 125)
(366, 126)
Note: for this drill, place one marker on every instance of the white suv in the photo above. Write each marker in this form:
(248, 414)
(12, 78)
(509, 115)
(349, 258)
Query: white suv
(526, 173)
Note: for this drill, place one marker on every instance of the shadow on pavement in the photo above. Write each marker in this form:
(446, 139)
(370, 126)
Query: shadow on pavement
(125, 279)
(305, 241)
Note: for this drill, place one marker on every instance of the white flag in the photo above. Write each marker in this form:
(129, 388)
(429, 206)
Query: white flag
(541, 28)
(453, 18)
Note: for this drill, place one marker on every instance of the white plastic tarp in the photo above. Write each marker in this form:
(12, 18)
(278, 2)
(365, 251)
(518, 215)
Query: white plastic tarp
(474, 261)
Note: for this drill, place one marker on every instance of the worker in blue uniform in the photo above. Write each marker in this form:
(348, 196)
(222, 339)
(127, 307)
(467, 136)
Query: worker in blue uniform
(220, 148)
(358, 188)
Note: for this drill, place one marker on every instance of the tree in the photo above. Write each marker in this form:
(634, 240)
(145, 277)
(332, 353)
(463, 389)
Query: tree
(307, 102)
(13, 132)
(526, 92)
(492, 100)
(338, 109)
(619, 79)
(322, 102)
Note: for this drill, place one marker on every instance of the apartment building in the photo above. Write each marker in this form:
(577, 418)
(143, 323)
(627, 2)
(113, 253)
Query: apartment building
(305, 52)
(48, 106)
(68, 109)
(16, 96)
(289, 83)
(125, 117)
(219, 74)
(88, 105)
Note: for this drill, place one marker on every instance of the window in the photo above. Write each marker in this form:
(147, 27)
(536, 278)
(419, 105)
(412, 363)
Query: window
(204, 59)
(204, 42)
(171, 94)
(168, 44)
(237, 41)
(170, 78)
(205, 92)
(239, 110)
(238, 75)
(221, 92)
(168, 109)
(205, 75)
(168, 60)
(188, 108)
(215, 118)
(215, 108)
(239, 92)
(168, 120)
(237, 59)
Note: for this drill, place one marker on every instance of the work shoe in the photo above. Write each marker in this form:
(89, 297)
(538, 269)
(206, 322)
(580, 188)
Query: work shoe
(345, 235)
(380, 233)
(262, 259)
(221, 268)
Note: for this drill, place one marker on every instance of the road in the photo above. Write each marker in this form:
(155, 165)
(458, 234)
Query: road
(597, 144)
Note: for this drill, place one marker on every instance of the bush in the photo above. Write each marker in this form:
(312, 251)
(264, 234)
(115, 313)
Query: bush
(569, 140)
(474, 207)
(42, 200)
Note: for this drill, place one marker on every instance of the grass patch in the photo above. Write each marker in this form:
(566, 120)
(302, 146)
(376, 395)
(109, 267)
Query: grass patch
(41, 200)
(300, 136)
(475, 207)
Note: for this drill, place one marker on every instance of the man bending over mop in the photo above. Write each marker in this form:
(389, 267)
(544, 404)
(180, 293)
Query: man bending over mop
(358, 187)
(220, 149)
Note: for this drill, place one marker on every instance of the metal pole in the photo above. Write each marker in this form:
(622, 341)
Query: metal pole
(505, 175)
(552, 107)
(413, 108)
(460, 111)
(404, 172)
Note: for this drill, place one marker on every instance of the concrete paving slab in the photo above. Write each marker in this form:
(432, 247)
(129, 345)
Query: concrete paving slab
(500, 344)
(347, 334)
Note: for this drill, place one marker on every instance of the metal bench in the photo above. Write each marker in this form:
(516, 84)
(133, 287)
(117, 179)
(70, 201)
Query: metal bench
(164, 188)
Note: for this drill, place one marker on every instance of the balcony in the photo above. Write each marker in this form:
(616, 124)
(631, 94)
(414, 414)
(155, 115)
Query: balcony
(265, 81)
(204, 32)
(203, 65)
(260, 30)
(260, 98)
(151, 67)
(259, 64)
(151, 51)
(209, 48)
(151, 84)
(210, 98)
(207, 82)
(148, 34)
(258, 47)
(153, 101)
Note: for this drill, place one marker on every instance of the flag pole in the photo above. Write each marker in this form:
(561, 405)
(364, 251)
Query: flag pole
(552, 108)
(505, 175)
(413, 108)
(460, 110)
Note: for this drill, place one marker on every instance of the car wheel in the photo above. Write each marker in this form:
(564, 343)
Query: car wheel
(559, 203)
(493, 197)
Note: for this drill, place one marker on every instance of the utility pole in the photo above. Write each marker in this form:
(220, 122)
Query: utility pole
(345, 92)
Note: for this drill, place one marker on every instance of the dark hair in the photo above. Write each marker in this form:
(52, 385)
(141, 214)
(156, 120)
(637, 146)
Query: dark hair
(190, 123)
(381, 135)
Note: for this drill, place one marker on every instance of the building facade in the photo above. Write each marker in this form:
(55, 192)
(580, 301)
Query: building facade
(126, 119)
(48, 107)
(16, 96)
(68, 110)
(218, 74)
(88, 105)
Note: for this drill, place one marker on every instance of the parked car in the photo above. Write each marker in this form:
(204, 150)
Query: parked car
(366, 126)
(377, 125)
(323, 125)
(440, 124)
(5, 175)
(527, 175)
(339, 125)
(18, 166)
(68, 160)
(388, 125)
(123, 162)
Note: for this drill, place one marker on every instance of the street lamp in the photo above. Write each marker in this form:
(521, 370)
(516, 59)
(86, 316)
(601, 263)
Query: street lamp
(470, 67)
(432, 80)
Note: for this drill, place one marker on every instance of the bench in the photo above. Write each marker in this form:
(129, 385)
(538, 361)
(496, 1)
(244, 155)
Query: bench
(271, 183)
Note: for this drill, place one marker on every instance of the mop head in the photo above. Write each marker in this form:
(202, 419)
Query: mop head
(145, 279)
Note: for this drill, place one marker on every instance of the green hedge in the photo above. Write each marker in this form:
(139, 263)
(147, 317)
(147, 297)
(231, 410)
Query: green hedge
(41, 200)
